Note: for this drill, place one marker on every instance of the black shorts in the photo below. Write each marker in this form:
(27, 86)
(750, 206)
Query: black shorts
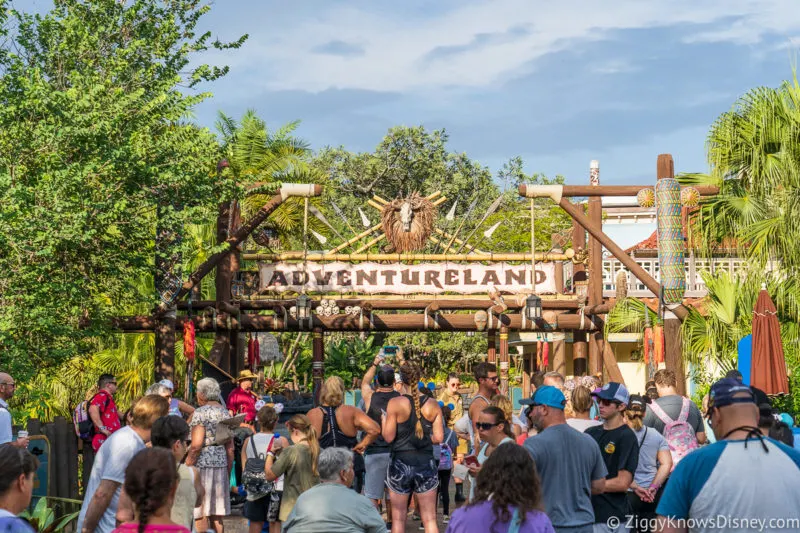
(403, 478)
(264, 509)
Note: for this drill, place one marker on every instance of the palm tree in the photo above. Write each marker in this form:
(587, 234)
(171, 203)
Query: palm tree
(260, 160)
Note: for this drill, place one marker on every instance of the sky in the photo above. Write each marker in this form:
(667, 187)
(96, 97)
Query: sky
(557, 83)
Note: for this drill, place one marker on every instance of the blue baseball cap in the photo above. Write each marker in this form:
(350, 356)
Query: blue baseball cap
(728, 391)
(546, 395)
(615, 392)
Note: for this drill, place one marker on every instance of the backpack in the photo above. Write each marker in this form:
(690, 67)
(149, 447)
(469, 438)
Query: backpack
(446, 456)
(680, 436)
(84, 427)
(253, 478)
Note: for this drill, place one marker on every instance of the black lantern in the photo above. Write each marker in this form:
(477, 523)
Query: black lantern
(352, 361)
(533, 307)
(303, 307)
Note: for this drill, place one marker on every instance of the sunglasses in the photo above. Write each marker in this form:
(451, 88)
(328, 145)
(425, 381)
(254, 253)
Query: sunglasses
(606, 403)
(485, 426)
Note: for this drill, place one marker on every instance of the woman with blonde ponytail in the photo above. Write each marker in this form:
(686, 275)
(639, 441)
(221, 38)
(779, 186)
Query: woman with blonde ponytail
(412, 425)
(298, 463)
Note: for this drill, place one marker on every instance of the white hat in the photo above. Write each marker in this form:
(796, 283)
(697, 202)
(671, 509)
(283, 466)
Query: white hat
(167, 383)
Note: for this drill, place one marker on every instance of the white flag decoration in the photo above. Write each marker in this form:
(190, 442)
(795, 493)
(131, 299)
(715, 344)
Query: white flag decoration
(451, 215)
(488, 233)
(364, 219)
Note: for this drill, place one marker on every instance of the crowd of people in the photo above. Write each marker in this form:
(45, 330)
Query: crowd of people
(580, 456)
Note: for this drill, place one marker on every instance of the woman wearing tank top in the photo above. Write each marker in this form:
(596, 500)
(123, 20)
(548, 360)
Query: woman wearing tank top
(338, 425)
(266, 508)
(494, 430)
(412, 426)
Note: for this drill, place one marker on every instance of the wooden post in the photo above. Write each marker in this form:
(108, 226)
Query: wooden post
(595, 288)
(226, 271)
(503, 360)
(317, 362)
(673, 353)
(165, 345)
(559, 358)
(527, 371)
(491, 352)
(579, 280)
(557, 245)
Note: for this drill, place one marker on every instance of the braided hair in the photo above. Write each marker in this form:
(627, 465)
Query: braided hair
(150, 479)
(302, 424)
(411, 374)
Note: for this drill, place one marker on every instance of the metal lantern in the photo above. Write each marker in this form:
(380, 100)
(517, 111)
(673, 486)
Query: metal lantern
(533, 307)
(303, 307)
(352, 361)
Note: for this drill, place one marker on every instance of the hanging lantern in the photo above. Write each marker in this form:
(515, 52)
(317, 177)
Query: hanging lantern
(533, 307)
(352, 361)
(303, 307)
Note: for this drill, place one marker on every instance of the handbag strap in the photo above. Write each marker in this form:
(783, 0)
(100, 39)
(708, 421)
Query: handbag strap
(255, 451)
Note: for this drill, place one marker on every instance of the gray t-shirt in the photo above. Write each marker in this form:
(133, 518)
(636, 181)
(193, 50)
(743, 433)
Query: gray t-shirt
(650, 443)
(567, 461)
(672, 406)
(333, 507)
(110, 463)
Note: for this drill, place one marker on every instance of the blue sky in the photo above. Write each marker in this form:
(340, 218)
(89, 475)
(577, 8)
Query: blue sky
(558, 83)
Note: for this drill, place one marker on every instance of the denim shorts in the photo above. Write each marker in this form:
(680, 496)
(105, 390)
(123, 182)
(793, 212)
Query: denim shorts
(404, 478)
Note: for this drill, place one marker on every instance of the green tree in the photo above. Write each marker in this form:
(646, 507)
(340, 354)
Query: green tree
(93, 139)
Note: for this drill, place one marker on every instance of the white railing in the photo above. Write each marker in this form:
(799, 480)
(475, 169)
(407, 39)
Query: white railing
(694, 281)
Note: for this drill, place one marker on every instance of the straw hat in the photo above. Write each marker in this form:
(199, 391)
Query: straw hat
(245, 375)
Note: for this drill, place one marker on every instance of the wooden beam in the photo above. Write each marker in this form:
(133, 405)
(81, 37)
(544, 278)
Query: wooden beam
(610, 190)
(634, 267)
(343, 322)
(472, 257)
(384, 302)
(317, 362)
(243, 231)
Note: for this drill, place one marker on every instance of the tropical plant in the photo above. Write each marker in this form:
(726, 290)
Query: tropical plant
(349, 357)
(43, 518)
(259, 160)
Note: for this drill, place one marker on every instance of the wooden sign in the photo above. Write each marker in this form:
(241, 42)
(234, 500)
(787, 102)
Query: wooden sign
(426, 278)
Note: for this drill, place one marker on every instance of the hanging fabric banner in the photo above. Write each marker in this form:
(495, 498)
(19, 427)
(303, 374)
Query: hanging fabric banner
(427, 278)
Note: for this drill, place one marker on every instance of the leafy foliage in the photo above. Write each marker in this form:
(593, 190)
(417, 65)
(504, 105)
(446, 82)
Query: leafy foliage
(349, 357)
(43, 519)
(93, 140)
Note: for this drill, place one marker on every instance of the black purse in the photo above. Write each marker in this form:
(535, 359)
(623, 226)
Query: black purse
(253, 477)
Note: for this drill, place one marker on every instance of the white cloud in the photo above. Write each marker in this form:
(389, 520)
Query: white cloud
(400, 53)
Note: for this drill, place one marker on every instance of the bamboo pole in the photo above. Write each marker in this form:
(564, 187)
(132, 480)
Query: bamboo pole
(471, 257)
(457, 241)
(342, 246)
(371, 243)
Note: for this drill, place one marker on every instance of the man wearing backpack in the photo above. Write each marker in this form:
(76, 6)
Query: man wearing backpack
(677, 418)
(743, 482)
(103, 411)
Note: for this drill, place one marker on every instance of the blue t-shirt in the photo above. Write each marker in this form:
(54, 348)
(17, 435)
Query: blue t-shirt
(11, 524)
(735, 479)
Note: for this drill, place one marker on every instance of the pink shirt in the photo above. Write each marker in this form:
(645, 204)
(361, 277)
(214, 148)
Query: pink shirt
(132, 527)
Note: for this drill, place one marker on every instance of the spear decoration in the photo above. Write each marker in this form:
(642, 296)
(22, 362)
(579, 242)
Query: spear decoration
(491, 209)
(364, 219)
(320, 238)
(488, 233)
(451, 215)
(340, 214)
(317, 213)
